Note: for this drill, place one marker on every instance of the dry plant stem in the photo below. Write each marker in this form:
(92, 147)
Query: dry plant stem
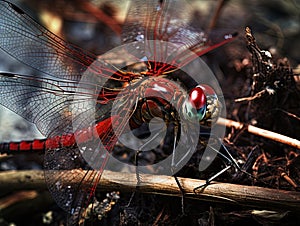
(257, 197)
(216, 15)
(261, 132)
(16, 197)
(99, 14)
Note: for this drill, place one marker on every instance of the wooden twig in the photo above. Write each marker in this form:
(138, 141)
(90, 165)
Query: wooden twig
(216, 14)
(260, 132)
(257, 197)
(101, 16)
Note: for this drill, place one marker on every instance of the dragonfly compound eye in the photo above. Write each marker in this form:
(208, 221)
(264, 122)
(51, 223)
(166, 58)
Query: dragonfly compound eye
(203, 105)
(213, 106)
(195, 106)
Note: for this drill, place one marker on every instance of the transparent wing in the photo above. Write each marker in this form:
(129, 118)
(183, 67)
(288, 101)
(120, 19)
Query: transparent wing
(162, 32)
(32, 44)
(56, 107)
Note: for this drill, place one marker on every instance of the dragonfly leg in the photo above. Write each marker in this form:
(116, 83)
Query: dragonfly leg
(233, 162)
(138, 178)
(175, 177)
(230, 161)
(227, 157)
(182, 195)
(136, 161)
(207, 182)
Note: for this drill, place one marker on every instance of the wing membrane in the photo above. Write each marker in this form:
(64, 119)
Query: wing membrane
(32, 44)
(55, 106)
(162, 32)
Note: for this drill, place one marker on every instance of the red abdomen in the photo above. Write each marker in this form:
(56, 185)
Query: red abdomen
(68, 140)
(37, 145)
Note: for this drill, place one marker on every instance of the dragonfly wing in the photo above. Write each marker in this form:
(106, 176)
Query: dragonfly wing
(161, 20)
(72, 175)
(70, 180)
(153, 21)
(55, 106)
(32, 44)
(26, 40)
(148, 23)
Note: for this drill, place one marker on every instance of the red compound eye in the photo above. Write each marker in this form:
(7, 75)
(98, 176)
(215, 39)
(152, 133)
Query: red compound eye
(197, 97)
(207, 89)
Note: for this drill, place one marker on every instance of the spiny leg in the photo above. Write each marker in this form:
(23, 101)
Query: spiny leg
(228, 158)
(136, 161)
(173, 166)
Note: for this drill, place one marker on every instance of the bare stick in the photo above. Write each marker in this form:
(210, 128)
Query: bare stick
(101, 16)
(261, 132)
(256, 197)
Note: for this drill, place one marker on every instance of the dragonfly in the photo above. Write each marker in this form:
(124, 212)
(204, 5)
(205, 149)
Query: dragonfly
(83, 103)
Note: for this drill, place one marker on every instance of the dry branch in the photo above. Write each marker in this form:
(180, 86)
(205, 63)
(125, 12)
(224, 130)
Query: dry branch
(260, 132)
(257, 197)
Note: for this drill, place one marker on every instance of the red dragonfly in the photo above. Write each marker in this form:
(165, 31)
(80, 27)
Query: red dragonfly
(83, 103)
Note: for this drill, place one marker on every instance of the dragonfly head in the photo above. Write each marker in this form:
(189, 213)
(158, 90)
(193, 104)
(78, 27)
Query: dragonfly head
(203, 105)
